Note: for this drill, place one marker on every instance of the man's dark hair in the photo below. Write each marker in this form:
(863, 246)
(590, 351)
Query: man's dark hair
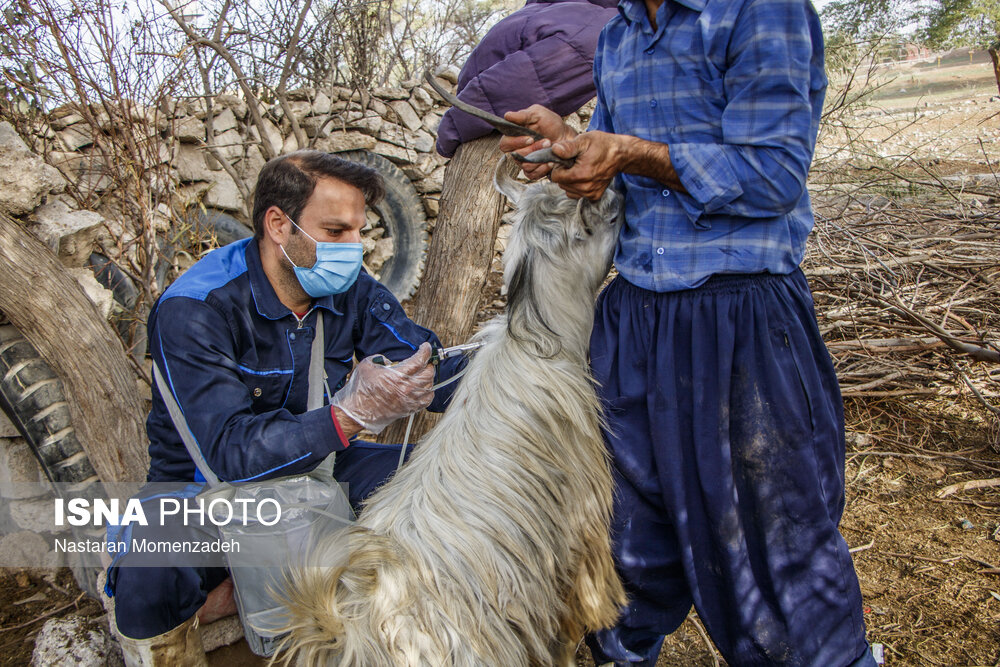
(289, 180)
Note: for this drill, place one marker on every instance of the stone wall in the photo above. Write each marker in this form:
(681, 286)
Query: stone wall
(398, 123)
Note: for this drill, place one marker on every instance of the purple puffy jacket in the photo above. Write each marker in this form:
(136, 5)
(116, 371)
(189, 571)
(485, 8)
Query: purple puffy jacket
(543, 53)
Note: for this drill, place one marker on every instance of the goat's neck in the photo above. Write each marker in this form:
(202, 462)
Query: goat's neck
(568, 319)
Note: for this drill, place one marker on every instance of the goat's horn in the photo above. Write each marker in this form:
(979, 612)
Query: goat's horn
(544, 155)
(505, 184)
(503, 126)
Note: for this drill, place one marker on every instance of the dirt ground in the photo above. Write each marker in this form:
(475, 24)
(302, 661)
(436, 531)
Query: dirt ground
(929, 566)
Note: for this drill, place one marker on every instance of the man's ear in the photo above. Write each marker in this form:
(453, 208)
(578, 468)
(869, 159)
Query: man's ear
(277, 227)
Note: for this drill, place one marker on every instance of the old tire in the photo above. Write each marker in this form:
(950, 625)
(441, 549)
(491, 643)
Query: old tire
(31, 396)
(405, 223)
(223, 226)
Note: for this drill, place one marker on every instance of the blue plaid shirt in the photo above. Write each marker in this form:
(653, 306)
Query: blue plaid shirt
(735, 89)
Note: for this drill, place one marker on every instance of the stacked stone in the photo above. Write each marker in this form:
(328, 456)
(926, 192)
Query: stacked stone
(399, 123)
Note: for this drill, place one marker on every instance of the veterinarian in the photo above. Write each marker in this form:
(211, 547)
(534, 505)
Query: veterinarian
(725, 417)
(232, 337)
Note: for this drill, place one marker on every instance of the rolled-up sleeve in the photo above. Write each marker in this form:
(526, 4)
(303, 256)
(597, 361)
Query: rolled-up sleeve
(769, 123)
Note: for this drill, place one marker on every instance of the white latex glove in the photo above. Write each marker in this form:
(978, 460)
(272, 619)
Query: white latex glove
(376, 395)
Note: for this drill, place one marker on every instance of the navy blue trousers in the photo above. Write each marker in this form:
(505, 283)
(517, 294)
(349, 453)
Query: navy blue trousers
(727, 440)
(152, 600)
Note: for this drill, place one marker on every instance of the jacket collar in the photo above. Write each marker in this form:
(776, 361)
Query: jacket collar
(264, 297)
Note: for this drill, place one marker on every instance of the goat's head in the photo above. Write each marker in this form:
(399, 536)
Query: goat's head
(572, 239)
(558, 254)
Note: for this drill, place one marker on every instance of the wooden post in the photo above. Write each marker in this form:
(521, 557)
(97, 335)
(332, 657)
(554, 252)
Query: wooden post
(51, 310)
(460, 255)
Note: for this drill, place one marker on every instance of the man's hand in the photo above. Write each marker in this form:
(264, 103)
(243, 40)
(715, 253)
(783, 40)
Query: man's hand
(600, 156)
(547, 123)
(377, 395)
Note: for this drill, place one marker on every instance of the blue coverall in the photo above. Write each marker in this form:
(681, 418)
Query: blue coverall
(236, 360)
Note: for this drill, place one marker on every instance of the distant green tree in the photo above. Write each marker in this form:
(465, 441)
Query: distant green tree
(937, 23)
(973, 23)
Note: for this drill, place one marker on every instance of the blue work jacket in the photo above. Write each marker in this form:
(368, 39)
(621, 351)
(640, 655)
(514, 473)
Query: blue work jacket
(237, 360)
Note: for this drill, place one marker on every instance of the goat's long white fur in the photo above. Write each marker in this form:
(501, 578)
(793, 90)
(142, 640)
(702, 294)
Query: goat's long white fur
(491, 546)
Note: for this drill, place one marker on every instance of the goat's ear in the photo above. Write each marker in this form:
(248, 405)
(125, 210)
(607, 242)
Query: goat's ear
(505, 183)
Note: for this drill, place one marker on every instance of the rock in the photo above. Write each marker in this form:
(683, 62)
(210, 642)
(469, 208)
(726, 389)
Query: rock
(321, 105)
(155, 120)
(290, 144)
(503, 235)
(19, 469)
(447, 85)
(24, 177)
(432, 206)
(427, 186)
(341, 92)
(422, 169)
(299, 109)
(25, 548)
(234, 103)
(301, 94)
(406, 115)
(7, 429)
(230, 145)
(379, 107)
(103, 298)
(63, 117)
(422, 141)
(272, 133)
(76, 137)
(383, 250)
(224, 122)
(70, 233)
(222, 632)
(224, 194)
(188, 129)
(390, 93)
(369, 124)
(339, 142)
(192, 194)
(249, 167)
(396, 154)
(432, 121)
(36, 515)
(316, 126)
(394, 134)
(75, 641)
(190, 164)
(421, 101)
(449, 73)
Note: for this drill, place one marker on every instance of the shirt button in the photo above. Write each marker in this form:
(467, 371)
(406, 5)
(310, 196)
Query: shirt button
(659, 251)
(652, 103)
(386, 307)
(291, 336)
(257, 392)
(649, 51)
(665, 193)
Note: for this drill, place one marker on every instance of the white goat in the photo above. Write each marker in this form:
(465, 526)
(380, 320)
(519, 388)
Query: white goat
(491, 546)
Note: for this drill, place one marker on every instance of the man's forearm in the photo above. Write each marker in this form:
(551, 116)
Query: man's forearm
(649, 158)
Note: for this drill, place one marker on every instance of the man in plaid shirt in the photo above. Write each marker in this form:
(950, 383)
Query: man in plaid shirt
(725, 418)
